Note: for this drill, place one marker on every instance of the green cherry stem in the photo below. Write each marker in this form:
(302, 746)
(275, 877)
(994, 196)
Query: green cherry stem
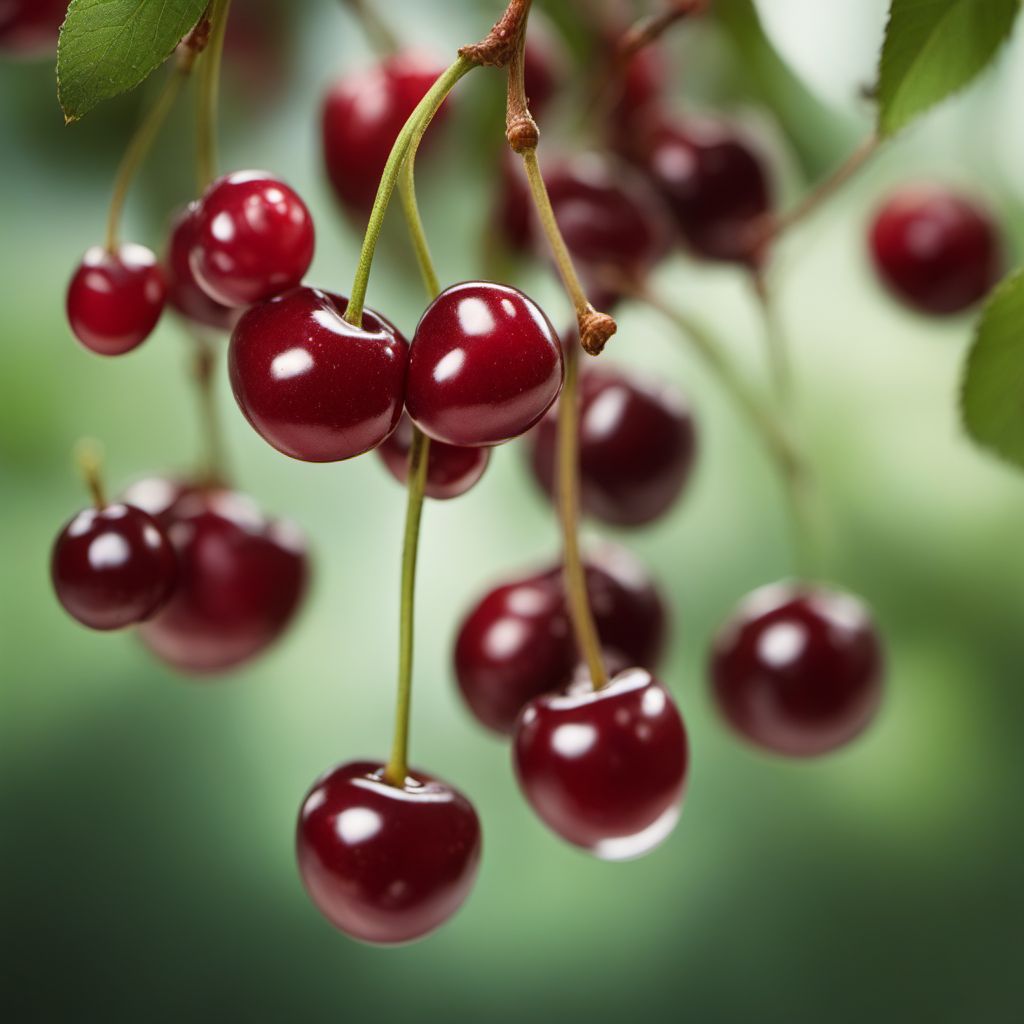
(378, 31)
(88, 456)
(204, 368)
(209, 94)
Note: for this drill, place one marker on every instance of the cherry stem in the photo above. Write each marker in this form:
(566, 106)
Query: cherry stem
(89, 460)
(209, 94)
(205, 376)
(378, 31)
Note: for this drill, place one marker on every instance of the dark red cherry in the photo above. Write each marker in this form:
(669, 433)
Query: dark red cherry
(115, 299)
(637, 447)
(798, 670)
(183, 291)
(716, 184)
(451, 471)
(362, 116)
(386, 864)
(112, 567)
(253, 238)
(485, 365)
(605, 769)
(513, 208)
(29, 28)
(313, 385)
(545, 64)
(241, 578)
(938, 251)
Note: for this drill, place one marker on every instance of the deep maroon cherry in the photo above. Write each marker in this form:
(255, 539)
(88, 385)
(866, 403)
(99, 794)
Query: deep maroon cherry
(362, 116)
(313, 385)
(513, 206)
(798, 670)
(113, 567)
(545, 64)
(183, 291)
(715, 182)
(605, 769)
(115, 299)
(938, 251)
(451, 471)
(30, 27)
(241, 577)
(517, 641)
(386, 864)
(637, 447)
(253, 238)
(485, 365)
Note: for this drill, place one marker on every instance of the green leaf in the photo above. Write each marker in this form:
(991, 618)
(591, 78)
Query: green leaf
(109, 46)
(992, 399)
(933, 48)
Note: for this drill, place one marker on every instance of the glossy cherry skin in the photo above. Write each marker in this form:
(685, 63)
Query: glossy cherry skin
(29, 28)
(798, 670)
(313, 385)
(362, 116)
(253, 238)
(937, 251)
(112, 567)
(716, 184)
(605, 769)
(183, 291)
(485, 365)
(386, 864)
(451, 471)
(115, 300)
(241, 578)
(517, 642)
(637, 447)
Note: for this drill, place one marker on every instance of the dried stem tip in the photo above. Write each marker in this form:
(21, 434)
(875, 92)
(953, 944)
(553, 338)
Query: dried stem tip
(595, 330)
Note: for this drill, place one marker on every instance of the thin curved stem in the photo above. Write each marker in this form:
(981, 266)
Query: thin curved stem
(413, 220)
(209, 95)
(204, 371)
(378, 31)
(89, 462)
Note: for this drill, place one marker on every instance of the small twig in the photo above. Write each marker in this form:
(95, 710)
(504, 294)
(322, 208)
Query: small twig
(498, 47)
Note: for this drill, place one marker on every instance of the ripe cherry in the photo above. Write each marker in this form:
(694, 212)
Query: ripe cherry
(485, 365)
(362, 116)
(938, 251)
(636, 450)
(183, 291)
(451, 471)
(313, 385)
(252, 238)
(798, 670)
(29, 27)
(115, 299)
(113, 567)
(241, 577)
(716, 184)
(544, 66)
(386, 864)
(605, 769)
(513, 208)
(517, 641)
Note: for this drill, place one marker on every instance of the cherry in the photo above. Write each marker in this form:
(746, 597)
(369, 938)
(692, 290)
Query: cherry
(386, 864)
(484, 366)
(642, 86)
(30, 27)
(451, 471)
(115, 299)
(604, 769)
(252, 238)
(798, 670)
(637, 447)
(513, 210)
(544, 66)
(517, 641)
(184, 292)
(112, 567)
(362, 116)
(241, 577)
(938, 251)
(715, 182)
(313, 385)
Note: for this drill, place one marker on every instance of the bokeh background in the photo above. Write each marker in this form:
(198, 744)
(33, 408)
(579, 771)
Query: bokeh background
(146, 822)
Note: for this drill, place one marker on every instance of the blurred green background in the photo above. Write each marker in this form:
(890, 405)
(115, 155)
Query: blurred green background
(147, 821)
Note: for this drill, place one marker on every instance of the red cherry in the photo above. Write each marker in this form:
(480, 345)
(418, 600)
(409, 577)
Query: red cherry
(115, 299)
(311, 384)
(451, 471)
(513, 208)
(184, 293)
(485, 365)
(29, 28)
(253, 238)
(545, 65)
(605, 769)
(386, 864)
(362, 116)
(112, 567)
(938, 251)
(798, 670)
(241, 578)
(637, 447)
(716, 184)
